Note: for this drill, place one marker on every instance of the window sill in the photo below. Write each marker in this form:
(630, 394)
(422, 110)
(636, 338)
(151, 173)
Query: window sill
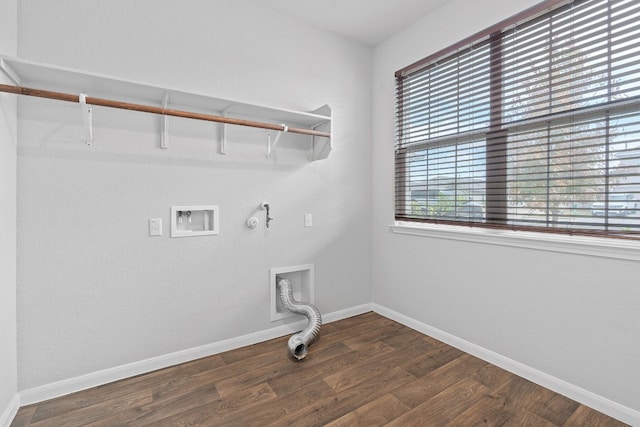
(581, 245)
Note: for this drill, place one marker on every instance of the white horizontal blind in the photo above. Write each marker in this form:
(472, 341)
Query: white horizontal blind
(537, 125)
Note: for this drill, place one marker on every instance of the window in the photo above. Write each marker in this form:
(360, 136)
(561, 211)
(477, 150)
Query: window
(531, 125)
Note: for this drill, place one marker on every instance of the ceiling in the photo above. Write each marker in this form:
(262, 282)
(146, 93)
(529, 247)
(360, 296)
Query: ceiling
(366, 21)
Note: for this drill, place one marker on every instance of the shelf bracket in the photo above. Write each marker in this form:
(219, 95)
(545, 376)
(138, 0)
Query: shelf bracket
(164, 132)
(87, 119)
(272, 145)
(223, 138)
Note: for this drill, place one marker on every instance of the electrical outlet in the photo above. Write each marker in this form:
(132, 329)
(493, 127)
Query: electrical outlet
(308, 220)
(155, 227)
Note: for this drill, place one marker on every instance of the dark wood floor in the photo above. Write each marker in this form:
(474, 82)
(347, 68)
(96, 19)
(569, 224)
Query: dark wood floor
(363, 371)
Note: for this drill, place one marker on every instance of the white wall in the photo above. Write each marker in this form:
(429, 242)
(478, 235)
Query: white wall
(570, 316)
(8, 363)
(95, 291)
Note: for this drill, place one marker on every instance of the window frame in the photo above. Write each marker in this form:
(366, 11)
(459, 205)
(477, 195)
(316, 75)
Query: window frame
(496, 135)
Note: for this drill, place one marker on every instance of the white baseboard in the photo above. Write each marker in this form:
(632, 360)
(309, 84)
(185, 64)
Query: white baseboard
(349, 312)
(597, 402)
(83, 382)
(10, 412)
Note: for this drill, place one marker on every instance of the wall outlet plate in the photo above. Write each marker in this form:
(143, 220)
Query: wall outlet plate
(155, 227)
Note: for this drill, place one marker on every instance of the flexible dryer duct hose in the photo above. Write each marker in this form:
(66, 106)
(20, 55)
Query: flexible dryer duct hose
(299, 342)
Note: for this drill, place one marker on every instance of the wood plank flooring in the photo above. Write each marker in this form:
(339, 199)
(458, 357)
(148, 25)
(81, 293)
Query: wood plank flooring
(363, 371)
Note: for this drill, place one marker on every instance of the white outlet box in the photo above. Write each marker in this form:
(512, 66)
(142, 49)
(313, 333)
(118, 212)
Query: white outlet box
(189, 221)
(308, 220)
(155, 227)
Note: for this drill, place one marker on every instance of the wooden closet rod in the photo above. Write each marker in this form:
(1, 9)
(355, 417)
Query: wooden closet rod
(157, 110)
